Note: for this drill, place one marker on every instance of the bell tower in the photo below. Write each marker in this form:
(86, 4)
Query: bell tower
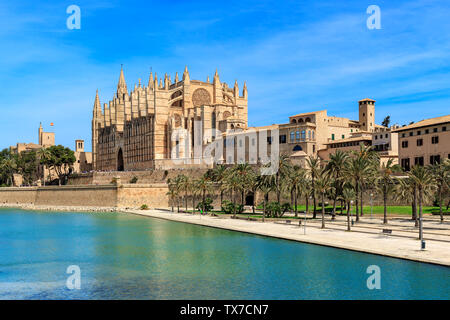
(367, 114)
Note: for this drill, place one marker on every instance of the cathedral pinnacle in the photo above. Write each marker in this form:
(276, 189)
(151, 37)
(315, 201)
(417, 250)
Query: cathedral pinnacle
(121, 86)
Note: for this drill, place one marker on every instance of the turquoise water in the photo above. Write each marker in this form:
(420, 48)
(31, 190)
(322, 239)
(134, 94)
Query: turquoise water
(131, 257)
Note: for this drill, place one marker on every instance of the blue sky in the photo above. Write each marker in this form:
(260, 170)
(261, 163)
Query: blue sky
(296, 56)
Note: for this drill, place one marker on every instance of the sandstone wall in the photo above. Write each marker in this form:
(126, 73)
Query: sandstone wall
(89, 196)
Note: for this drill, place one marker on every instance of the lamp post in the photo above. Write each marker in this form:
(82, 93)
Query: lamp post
(371, 205)
(351, 210)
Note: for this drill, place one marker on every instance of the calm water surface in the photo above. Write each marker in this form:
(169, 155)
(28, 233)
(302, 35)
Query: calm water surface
(130, 257)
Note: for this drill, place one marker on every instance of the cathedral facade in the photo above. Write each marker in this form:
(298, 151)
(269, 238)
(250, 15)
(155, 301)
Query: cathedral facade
(135, 130)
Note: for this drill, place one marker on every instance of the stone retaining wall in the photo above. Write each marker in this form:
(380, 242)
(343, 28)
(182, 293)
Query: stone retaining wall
(132, 196)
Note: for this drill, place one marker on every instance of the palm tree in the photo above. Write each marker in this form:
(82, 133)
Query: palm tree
(233, 183)
(424, 181)
(178, 183)
(385, 183)
(371, 159)
(440, 175)
(8, 167)
(323, 184)
(281, 175)
(406, 190)
(314, 166)
(172, 193)
(347, 195)
(266, 183)
(44, 156)
(357, 168)
(219, 174)
(296, 177)
(243, 173)
(204, 186)
(336, 166)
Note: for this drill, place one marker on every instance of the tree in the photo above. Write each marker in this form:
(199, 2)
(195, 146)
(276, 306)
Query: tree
(172, 193)
(406, 190)
(203, 186)
(385, 183)
(424, 181)
(296, 178)
(439, 172)
(219, 174)
(266, 183)
(336, 167)
(61, 161)
(323, 184)
(386, 121)
(44, 156)
(314, 166)
(348, 194)
(357, 168)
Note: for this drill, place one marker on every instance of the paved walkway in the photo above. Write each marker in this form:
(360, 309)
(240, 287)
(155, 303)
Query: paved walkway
(405, 247)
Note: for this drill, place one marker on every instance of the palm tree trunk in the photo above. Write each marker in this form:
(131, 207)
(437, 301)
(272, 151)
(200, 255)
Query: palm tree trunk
(385, 221)
(333, 216)
(295, 202)
(420, 214)
(264, 209)
(221, 197)
(306, 204)
(362, 193)
(323, 211)
(416, 222)
(440, 203)
(348, 216)
(356, 201)
(203, 201)
(186, 199)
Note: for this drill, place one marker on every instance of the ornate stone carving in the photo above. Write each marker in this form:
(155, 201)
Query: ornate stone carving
(201, 97)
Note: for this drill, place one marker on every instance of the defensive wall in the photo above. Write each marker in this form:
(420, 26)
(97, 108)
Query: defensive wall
(120, 196)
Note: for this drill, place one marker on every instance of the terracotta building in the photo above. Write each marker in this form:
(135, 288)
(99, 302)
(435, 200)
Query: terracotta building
(424, 142)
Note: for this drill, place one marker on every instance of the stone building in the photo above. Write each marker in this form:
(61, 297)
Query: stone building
(83, 162)
(424, 142)
(134, 130)
(318, 134)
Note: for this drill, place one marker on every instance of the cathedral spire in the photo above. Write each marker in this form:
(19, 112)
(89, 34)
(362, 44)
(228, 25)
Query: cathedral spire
(176, 77)
(186, 77)
(244, 91)
(121, 86)
(216, 78)
(97, 105)
(150, 80)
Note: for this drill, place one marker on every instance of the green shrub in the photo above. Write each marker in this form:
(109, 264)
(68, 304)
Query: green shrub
(229, 207)
(208, 205)
(134, 179)
(144, 207)
(275, 210)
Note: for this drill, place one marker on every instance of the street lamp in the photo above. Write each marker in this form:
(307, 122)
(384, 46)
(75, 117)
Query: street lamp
(371, 205)
(351, 210)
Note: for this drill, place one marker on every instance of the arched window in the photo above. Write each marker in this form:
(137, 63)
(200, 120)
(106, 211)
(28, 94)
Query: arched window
(293, 121)
(300, 120)
(292, 136)
(297, 148)
(308, 119)
(303, 135)
(213, 120)
(309, 134)
(297, 135)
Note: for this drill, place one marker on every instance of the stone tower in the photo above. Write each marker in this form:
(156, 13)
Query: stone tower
(367, 115)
